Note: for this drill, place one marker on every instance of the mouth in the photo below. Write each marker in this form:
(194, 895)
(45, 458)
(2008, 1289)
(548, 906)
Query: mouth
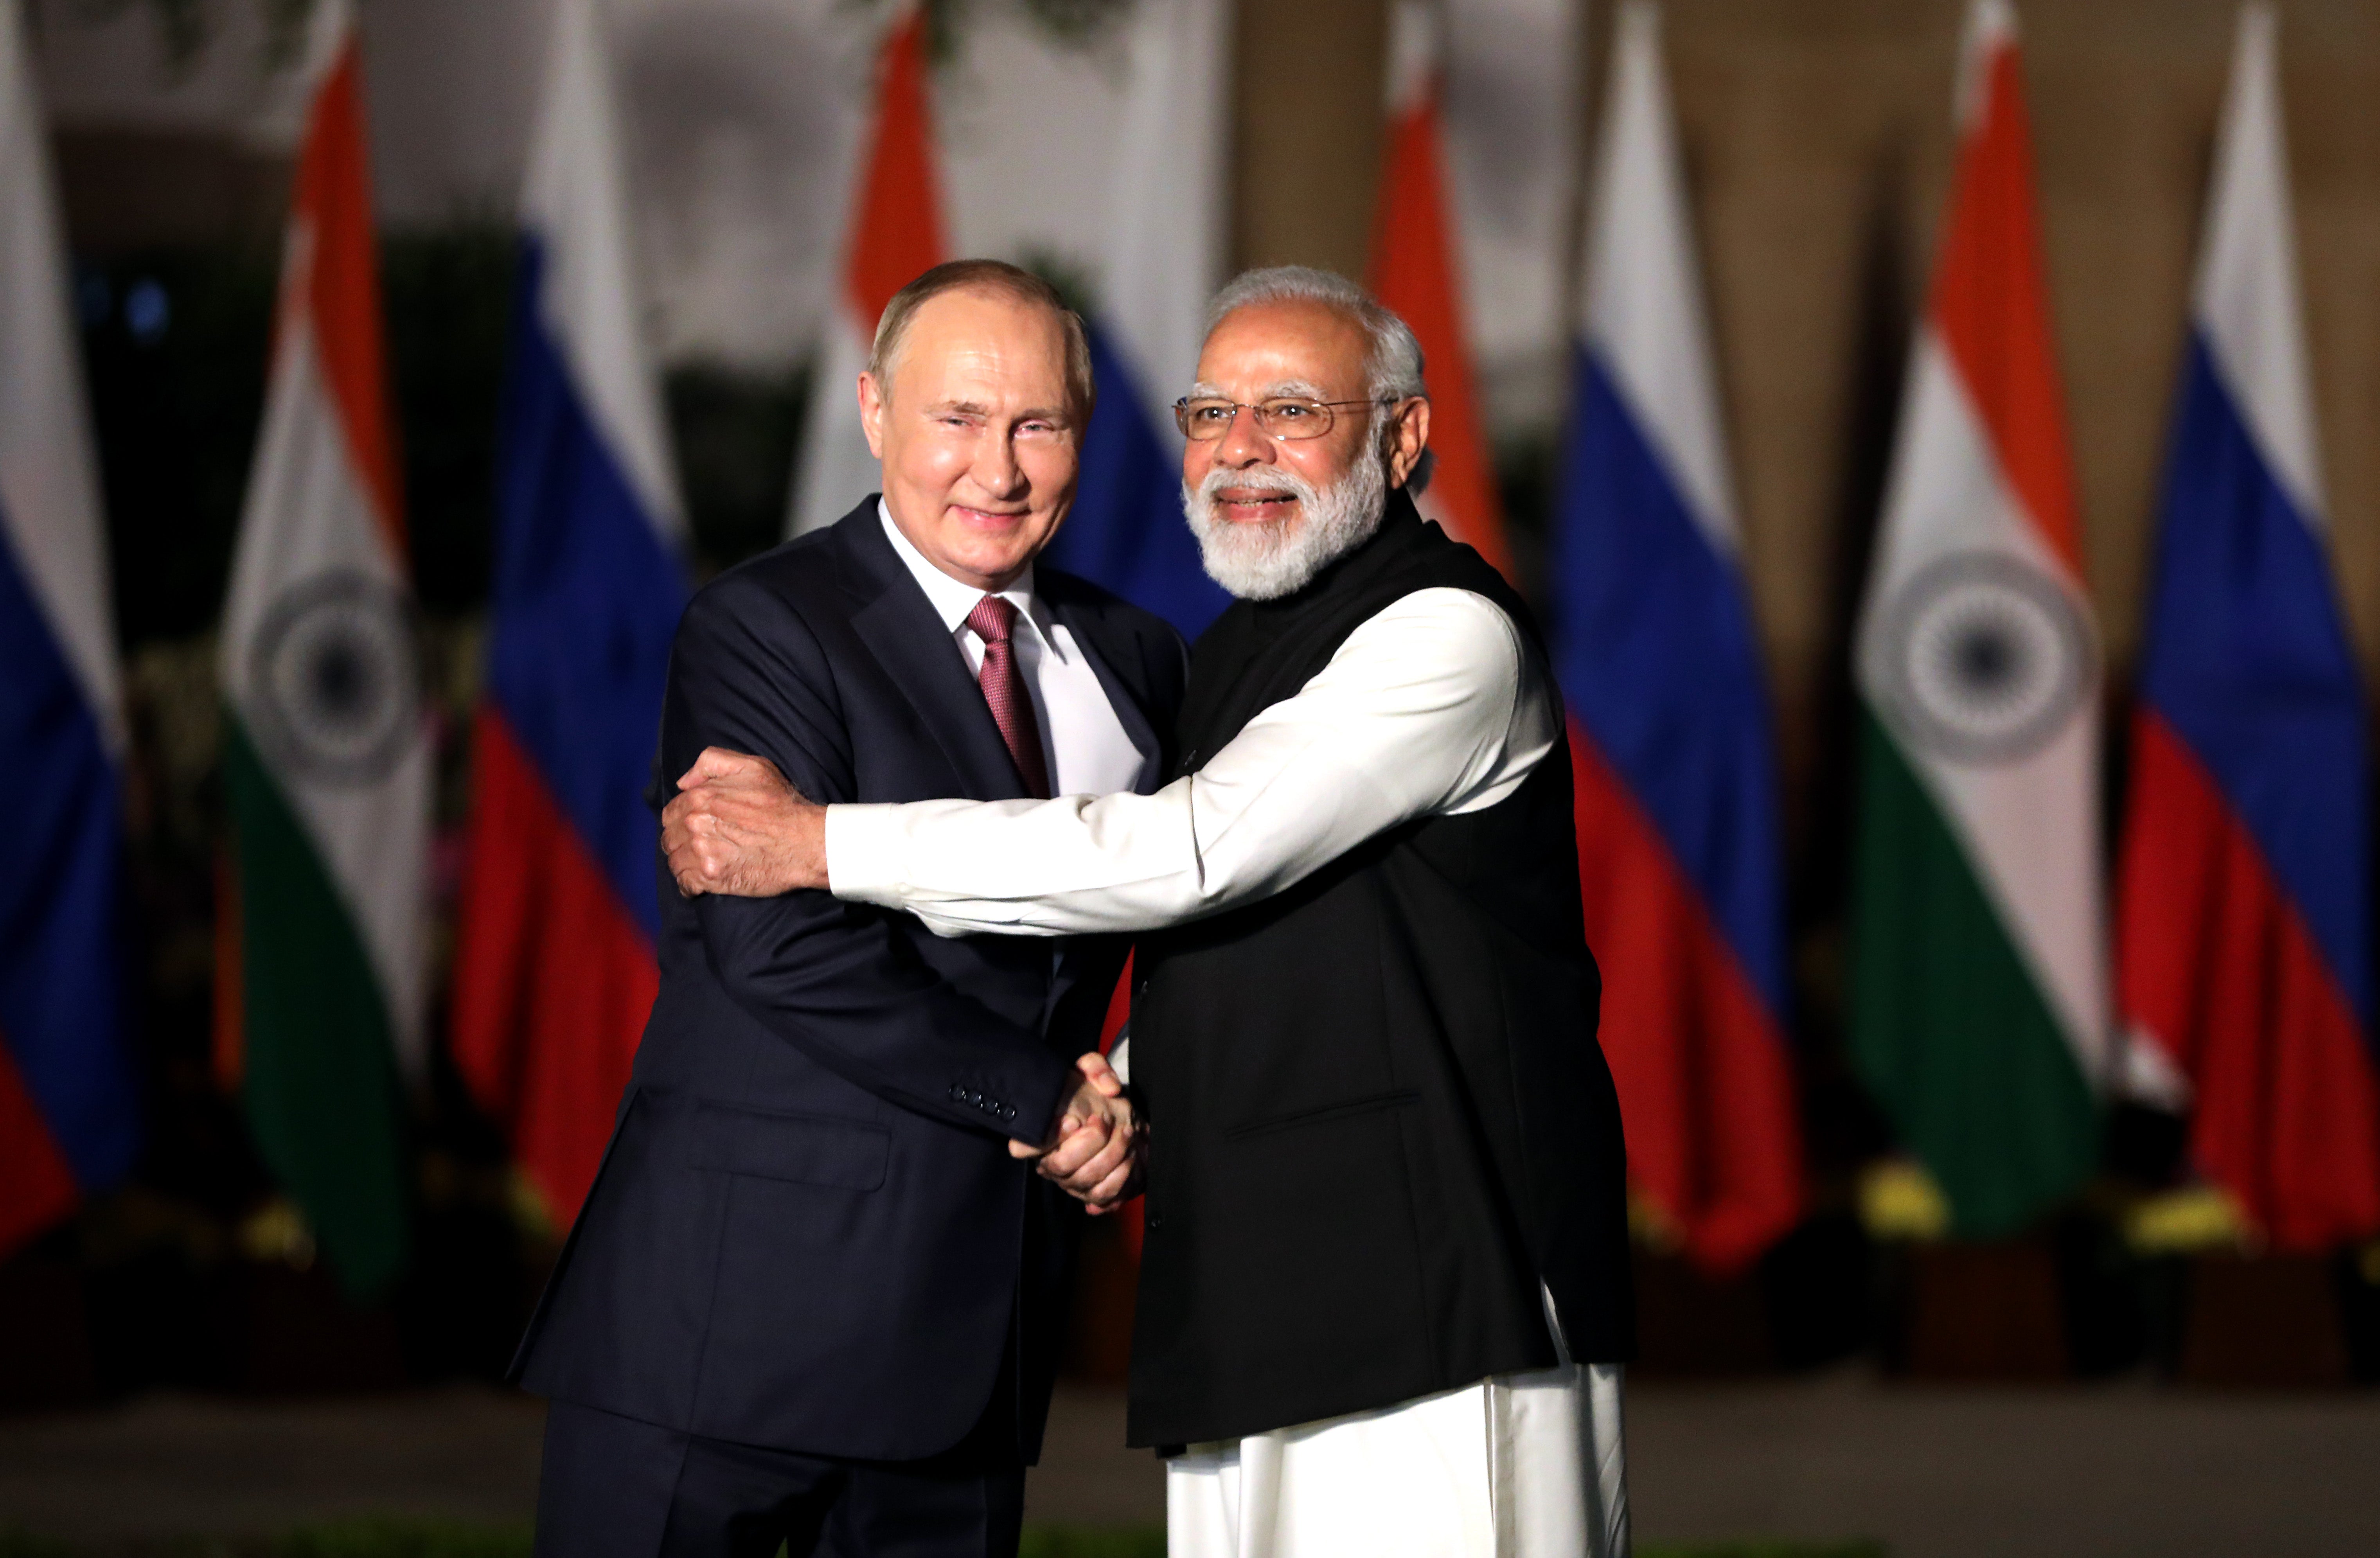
(1254, 507)
(986, 519)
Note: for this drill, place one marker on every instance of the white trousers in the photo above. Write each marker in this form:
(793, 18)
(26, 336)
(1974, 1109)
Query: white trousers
(1520, 1466)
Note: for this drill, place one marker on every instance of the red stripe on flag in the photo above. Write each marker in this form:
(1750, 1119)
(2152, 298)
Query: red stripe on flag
(552, 979)
(897, 230)
(1991, 303)
(1110, 1027)
(1414, 272)
(37, 1187)
(2222, 970)
(1706, 1087)
(331, 202)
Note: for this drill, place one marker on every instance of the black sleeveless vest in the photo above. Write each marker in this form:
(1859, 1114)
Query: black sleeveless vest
(1379, 1114)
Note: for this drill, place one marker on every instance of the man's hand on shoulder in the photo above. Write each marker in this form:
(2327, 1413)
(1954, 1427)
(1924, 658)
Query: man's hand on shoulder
(1095, 1144)
(738, 827)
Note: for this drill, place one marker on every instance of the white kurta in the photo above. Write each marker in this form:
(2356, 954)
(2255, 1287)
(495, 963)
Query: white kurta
(1520, 1466)
(1429, 708)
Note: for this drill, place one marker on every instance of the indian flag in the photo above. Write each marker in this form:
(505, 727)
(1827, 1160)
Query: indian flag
(326, 765)
(1979, 988)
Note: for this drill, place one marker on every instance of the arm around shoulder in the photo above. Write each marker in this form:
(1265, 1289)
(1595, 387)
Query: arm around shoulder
(839, 982)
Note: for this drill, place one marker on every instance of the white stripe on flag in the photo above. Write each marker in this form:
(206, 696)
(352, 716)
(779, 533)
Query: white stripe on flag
(2246, 296)
(308, 518)
(1643, 299)
(577, 204)
(1166, 254)
(2020, 822)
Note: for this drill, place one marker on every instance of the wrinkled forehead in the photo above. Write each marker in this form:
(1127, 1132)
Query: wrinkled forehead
(1289, 347)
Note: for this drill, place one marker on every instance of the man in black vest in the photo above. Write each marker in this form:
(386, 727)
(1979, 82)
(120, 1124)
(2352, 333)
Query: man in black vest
(813, 1296)
(1385, 1287)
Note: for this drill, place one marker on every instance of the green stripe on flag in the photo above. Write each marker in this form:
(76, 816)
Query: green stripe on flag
(1947, 1023)
(321, 1085)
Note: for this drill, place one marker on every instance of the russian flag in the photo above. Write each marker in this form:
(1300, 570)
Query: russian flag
(554, 965)
(895, 234)
(2244, 926)
(1164, 259)
(1676, 783)
(1414, 272)
(70, 1122)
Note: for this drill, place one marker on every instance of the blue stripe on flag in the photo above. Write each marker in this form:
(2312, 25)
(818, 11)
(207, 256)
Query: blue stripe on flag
(62, 1003)
(587, 597)
(2248, 658)
(1126, 531)
(1653, 645)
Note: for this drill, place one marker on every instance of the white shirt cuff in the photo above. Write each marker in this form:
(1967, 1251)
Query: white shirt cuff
(864, 854)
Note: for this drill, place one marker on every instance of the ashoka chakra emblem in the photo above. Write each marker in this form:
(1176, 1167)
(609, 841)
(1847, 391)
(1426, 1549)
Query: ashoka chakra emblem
(1986, 658)
(335, 686)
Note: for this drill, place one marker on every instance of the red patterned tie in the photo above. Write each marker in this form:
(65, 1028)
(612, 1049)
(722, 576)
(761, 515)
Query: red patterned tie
(1005, 689)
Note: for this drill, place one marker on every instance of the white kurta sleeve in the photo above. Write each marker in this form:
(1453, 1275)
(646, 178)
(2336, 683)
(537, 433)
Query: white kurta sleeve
(1432, 706)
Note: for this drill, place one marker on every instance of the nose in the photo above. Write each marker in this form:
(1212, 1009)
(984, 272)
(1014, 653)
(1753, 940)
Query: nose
(1244, 444)
(997, 469)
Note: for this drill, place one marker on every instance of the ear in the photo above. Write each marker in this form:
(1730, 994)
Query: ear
(871, 414)
(1408, 436)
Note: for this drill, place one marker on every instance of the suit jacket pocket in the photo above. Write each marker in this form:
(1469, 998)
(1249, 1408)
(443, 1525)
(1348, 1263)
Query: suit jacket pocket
(806, 1149)
(1324, 1114)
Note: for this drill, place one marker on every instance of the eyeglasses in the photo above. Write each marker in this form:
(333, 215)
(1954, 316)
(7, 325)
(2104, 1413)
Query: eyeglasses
(1286, 416)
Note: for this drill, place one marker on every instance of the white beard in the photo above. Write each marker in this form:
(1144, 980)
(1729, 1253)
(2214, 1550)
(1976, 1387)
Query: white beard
(1265, 561)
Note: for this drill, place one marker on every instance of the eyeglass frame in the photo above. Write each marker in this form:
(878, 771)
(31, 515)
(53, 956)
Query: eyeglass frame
(1254, 408)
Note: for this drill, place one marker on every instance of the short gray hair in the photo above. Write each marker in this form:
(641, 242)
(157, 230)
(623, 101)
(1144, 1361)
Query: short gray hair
(1392, 369)
(1001, 279)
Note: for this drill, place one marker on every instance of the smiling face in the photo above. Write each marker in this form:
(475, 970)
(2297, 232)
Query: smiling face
(979, 438)
(1266, 349)
(1270, 513)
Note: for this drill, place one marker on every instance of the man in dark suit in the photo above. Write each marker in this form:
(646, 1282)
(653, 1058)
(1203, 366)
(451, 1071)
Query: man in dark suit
(812, 1297)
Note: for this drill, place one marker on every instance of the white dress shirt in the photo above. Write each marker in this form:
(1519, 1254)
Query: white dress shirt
(1429, 708)
(1083, 742)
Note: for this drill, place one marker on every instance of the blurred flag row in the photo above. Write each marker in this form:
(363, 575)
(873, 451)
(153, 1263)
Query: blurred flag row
(1980, 1009)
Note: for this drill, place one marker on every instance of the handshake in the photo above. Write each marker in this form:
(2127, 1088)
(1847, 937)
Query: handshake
(1095, 1145)
(738, 826)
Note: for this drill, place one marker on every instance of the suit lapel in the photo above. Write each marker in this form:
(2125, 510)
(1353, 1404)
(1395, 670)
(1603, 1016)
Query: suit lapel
(900, 627)
(1106, 649)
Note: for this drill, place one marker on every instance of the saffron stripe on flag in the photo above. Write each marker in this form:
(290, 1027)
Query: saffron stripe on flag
(1415, 271)
(1979, 1008)
(327, 763)
(894, 234)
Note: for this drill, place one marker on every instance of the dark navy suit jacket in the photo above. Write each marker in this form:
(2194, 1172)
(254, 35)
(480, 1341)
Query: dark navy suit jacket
(807, 1233)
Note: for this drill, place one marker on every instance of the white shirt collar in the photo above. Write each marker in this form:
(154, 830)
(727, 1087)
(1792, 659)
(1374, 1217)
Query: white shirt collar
(954, 598)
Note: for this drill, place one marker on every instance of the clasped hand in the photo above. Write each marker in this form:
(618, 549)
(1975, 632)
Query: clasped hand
(738, 827)
(1095, 1146)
